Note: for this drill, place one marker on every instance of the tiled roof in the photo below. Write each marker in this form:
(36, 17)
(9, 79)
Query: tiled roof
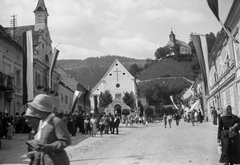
(182, 43)
(19, 33)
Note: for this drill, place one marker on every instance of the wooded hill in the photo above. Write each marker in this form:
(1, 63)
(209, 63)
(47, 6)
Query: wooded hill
(89, 71)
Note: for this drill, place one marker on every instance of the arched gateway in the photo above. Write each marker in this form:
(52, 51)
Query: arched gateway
(116, 107)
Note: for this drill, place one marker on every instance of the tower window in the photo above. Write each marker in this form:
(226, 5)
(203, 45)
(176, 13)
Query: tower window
(46, 58)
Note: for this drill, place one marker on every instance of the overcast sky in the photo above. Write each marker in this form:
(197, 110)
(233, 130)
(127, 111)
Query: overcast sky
(130, 28)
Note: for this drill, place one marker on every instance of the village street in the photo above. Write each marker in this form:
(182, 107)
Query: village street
(153, 144)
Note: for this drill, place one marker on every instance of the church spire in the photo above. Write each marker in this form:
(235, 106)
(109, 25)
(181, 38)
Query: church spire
(40, 6)
(41, 16)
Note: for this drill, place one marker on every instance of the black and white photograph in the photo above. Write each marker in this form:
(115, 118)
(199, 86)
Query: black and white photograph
(119, 82)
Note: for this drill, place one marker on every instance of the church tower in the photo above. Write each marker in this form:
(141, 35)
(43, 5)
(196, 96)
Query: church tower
(41, 16)
(172, 37)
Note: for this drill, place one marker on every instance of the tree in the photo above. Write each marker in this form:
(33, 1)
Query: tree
(134, 70)
(105, 99)
(161, 52)
(129, 99)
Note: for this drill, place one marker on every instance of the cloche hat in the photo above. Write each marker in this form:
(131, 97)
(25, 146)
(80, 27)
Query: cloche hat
(31, 113)
(41, 102)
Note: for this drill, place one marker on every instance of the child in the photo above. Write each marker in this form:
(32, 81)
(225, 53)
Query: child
(10, 131)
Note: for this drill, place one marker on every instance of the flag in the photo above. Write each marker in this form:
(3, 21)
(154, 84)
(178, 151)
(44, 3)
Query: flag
(213, 4)
(171, 98)
(27, 67)
(76, 95)
(200, 43)
(54, 59)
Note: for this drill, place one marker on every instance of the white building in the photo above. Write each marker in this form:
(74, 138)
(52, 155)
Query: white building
(118, 81)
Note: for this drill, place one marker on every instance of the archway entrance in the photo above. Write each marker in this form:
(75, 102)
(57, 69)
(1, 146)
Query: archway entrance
(117, 110)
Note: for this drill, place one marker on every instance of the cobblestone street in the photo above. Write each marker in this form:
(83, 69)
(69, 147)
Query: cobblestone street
(152, 144)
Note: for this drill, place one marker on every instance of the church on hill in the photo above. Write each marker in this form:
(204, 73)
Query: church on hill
(184, 48)
(118, 81)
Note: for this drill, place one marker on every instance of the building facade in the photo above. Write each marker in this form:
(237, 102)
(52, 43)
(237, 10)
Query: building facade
(10, 74)
(118, 81)
(224, 66)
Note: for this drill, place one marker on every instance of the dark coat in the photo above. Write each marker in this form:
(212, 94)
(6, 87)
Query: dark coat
(230, 147)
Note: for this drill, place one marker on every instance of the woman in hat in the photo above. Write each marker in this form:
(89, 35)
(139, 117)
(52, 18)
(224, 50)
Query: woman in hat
(52, 132)
(32, 120)
(230, 144)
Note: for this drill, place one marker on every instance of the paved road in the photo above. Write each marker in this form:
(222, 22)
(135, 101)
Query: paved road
(153, 144)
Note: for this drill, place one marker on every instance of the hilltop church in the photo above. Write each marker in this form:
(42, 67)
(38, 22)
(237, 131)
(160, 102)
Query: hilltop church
(118, 81)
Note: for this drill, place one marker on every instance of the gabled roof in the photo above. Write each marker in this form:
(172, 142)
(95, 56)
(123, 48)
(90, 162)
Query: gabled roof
(40, 6)
(181, 43)
(110, 68)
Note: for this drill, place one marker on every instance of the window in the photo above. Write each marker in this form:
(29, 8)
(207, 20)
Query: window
(17, 78)
(66, 99)
(61, 97)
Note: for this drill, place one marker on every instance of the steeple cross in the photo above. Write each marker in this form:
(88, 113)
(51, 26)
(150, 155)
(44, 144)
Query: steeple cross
(117, 73)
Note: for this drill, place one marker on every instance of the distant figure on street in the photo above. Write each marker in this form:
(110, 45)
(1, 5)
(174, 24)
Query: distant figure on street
(116, 123)
(177, 118)
(165, 120)
(169, 119)
(214, 114)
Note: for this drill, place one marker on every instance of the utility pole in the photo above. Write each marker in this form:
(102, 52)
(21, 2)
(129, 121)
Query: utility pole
(13, 23)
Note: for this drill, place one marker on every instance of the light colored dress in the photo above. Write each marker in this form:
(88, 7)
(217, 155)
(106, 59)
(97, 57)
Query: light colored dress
(94, 125)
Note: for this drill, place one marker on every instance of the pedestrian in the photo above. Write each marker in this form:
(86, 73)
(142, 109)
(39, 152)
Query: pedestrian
(52, 135)
(165, 120)
(116, 123)
(196, 115)
(214, 114)
(177, 118)
(32, 120)
(94, 123)
(87, 126)
(10, 131)
(169, 119)
(228, 126)
(101, 125)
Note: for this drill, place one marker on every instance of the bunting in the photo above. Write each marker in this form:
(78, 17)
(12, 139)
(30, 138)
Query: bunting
(200, 43)
(54, 59)
(27, 67)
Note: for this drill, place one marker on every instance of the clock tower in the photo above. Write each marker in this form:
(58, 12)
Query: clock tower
(41, 16)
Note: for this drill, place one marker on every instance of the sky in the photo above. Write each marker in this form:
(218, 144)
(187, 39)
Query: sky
(129, 28)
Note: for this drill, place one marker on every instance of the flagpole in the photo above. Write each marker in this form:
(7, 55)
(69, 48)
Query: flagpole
(228, 33)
